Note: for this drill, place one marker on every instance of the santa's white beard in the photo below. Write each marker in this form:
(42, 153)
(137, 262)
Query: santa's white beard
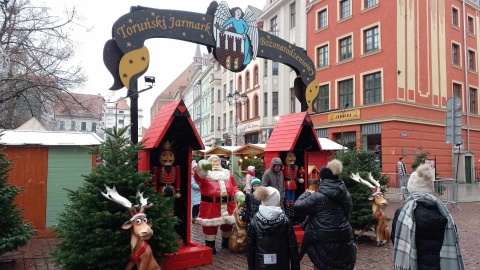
(219, 175)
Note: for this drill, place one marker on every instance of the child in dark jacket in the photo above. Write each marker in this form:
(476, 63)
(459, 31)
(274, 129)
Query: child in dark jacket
(271, 241)
(251, 204)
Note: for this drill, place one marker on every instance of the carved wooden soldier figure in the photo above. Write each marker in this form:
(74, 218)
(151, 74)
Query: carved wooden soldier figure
(290, 172)
(166, 177)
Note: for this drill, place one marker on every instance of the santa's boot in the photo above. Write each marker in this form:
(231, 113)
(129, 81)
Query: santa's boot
(211, 244)
(225, 242)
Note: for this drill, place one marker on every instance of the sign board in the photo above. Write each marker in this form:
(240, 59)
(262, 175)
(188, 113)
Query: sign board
(344, 116)
(453, 127)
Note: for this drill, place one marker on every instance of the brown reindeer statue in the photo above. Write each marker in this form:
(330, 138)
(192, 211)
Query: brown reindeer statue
(141, 231)
(382, 231)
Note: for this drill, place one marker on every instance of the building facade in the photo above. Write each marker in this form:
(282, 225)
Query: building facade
(386, 70)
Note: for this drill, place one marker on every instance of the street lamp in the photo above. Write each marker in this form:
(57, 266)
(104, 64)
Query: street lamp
(236, 98)
(133, 95)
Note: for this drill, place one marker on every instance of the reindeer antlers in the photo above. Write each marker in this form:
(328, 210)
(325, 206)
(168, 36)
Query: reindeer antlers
(113, 195)
(356, 177)
(143, 202)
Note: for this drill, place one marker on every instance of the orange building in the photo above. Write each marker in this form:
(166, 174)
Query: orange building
(386, 70)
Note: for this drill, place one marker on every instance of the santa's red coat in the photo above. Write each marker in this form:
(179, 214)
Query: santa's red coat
(215, 184)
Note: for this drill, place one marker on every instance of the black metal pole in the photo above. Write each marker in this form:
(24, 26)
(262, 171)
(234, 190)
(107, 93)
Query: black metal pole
(133, 94)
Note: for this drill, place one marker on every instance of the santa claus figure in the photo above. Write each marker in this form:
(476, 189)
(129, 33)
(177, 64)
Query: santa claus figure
(219, 197)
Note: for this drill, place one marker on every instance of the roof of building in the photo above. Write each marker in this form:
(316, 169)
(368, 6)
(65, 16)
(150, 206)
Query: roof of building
(292, 129)
(48, 138)
(32, 124)
(79, 105)
(174, 118)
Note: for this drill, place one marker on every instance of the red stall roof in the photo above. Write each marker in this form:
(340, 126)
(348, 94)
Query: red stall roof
(162, 122)
(286, 131)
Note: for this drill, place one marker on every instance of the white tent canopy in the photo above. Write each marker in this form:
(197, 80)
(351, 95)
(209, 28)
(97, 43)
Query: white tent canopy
(23, 137)
(327, 144)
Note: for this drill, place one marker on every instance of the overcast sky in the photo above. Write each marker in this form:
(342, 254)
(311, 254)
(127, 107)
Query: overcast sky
(168, 57)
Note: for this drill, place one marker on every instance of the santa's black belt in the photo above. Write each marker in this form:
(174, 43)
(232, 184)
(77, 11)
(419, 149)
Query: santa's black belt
(211, 199)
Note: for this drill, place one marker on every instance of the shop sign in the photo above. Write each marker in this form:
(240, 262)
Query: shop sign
(344, 116)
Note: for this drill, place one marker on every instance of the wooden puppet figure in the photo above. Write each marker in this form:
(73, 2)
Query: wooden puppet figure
(166, 177)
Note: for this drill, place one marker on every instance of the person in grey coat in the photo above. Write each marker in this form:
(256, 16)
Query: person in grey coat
(273, 177)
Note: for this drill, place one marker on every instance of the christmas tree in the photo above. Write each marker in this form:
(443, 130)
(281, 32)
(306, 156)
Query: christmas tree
(14, 231)
(362, 162)
(91, 224)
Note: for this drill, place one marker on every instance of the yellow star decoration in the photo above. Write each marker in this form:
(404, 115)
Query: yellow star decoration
(153, 14)
(261, 51)
(268, 36)
(130, 20)
(303, 70)
(203, 18)
(201, 36)
(289, 46)
(279, 56)
(129, 44)
(184, 34)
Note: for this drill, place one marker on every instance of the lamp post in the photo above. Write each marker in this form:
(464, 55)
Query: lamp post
(236, 98)
(133, 95)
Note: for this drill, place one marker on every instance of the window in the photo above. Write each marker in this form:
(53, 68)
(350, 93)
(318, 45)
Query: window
(240, 86)
(72, 125)
(212, 123)
(219, 122)
(455, 17)
(224, 92)
(324, 98)
(94, 127)
(345, 92)
(372, 84)
(322, 56)
(274, 26)
(471, 28)
(345, 11)
(239, 111)
(455, 54)
(471, 60)
(322, 132)
(231, 87)
(274, 68)
(212, 96)
(274, 103)
(292, 15)
(322, 20)
(219, 95)
(255, 75)
(292, 100)
(230, 117)
(265, 104)
(62, 125)
(224, 121)
(120, 122)
(247, 80)
(83, 126)
(473, 100)
(457, 90)
(247, 109)
(370, 3)
(255, 106)
(371, 39)
(346, 48)
(265, 68)
(120, 112)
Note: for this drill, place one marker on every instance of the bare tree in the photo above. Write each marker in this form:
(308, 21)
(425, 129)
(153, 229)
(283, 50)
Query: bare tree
(39, 47)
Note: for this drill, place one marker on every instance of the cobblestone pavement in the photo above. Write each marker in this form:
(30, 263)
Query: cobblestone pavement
(36, 254)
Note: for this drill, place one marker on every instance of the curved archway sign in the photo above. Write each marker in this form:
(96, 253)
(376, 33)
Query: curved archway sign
(231, 34)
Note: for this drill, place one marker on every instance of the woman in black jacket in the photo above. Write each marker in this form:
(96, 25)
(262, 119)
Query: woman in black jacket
(271, 241)
(423, 232)
(328, 238)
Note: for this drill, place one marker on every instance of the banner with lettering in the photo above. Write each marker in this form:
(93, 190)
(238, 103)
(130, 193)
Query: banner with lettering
(231, 35)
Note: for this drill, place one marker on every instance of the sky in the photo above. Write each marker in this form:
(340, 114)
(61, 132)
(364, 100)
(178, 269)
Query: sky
(168, 57)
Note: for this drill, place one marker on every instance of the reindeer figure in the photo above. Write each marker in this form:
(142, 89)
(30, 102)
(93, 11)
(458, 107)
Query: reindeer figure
(382, 230)
(141, 231)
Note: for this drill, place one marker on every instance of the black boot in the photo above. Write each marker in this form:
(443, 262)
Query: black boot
(225, 242)
(211, 244)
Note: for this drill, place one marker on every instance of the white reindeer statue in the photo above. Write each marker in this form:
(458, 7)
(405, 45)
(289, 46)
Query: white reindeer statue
(379, 203)
(141, 231)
